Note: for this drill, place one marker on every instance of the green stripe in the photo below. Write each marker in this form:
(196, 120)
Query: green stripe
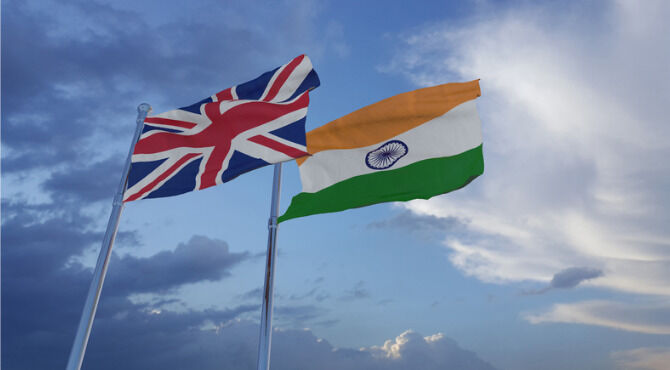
(422, 179)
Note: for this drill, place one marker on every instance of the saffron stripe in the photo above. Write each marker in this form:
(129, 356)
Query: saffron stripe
(390, 117)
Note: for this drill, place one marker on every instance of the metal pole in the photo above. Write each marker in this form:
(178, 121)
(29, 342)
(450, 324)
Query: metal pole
(91, 304)
(265, 337)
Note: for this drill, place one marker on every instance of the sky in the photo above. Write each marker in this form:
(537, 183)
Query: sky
(557, 257)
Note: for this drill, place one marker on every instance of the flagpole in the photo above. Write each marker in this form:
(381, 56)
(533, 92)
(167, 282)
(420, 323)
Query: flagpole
(265, 337)
(91, 304)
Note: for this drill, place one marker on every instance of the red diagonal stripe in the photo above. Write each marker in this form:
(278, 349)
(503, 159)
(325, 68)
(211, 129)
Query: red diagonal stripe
(169, 122)
(283, 76)
(224, 127)
(225, 95)
(162, 176)
(273, 144)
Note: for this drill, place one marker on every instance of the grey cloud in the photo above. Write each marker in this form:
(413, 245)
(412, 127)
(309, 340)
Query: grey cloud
(299, 315)
(406, 220)
(384, 302)
(42, 300)
(303, 296)
(232, 345)
(315, 293)
(89, 182)
(256, 293)
(42, 237)
(357, 292)
(63, 87)
(573, 276)
(43, 293)
(327, 323)
(43, 289)
(569, 278)
(647, 358)
(199, 259)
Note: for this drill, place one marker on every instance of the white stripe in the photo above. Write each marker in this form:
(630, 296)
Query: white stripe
(233, 92)
(183, 115)
(450, 134)
(224, 166)
(206, 153)
(261, 152)
(203, 121)
(276, 123)
(158, 127)
(239, 143)
(155, 174)
(268, 87)
(226, 105)
(285, 142)
(200, 120)
(171, 153)
(242, 143)
(294, 80)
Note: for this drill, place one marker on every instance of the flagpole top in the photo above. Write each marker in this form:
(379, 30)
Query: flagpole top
(144, 108)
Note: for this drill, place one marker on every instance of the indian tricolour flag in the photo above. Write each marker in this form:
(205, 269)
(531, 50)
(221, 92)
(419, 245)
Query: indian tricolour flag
(414, 145)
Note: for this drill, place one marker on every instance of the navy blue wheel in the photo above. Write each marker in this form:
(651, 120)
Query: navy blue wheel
(386, 155)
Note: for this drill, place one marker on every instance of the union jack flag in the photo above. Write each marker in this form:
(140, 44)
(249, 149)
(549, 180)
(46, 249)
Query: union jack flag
(221, 137)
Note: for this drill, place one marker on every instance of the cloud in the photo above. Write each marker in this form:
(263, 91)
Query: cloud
(43, 236)
(42, 304)
(410, 350)
(297, 315)
(256, 293)
(301, 350)
(70, 98)
(573, 130)
(573, 276)
(648, 318)
(44, 286)
(569, 278)
(89, 182)
(646, 358)
(357, 292)
(199, 259)
(409, 221)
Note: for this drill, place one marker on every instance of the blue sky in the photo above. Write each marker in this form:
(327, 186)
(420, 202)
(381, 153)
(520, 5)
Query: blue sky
(558, 257)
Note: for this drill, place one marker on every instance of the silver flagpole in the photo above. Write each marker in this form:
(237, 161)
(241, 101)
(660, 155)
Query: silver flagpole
(91, 304)
(265, 337)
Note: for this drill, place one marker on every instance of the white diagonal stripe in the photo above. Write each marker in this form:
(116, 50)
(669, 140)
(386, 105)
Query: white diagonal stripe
(294, 80)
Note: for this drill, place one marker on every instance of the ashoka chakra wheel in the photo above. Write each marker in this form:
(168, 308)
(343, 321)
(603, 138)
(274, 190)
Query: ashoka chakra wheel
(386, 155)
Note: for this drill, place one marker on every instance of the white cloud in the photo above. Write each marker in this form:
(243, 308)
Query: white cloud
(575, 139)
(300, 349)
(410, 350)
(649, 318)
(646, 358)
